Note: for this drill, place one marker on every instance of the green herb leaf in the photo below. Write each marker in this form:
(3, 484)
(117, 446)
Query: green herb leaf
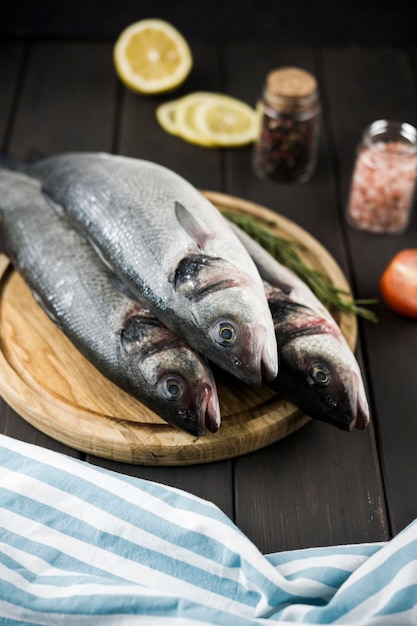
(285, 251)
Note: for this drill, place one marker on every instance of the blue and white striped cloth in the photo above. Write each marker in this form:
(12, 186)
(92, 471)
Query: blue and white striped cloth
(80, 545)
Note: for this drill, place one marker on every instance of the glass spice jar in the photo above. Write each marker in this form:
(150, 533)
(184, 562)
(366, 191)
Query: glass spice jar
(384, 178)
(286, 147)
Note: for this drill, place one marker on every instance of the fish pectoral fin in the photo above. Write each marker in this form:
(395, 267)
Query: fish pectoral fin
(137, 333)
(191, 226)
(270, 278)
(197, 275)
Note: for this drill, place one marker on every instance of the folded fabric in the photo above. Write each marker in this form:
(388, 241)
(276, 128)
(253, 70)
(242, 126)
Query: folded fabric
(81, 545)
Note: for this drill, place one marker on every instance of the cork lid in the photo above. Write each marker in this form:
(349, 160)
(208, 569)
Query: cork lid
(291, 82)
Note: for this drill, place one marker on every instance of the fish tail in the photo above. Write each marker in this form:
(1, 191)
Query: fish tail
(9, 162)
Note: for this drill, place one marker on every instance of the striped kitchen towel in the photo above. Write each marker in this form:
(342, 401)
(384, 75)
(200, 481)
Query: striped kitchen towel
(80, 545)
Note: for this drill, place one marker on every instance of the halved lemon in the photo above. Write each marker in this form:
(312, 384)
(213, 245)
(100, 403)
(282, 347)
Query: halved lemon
(210, 119)
(151, 56)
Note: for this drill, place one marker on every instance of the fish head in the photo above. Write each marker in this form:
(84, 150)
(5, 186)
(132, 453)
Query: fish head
(240, 346)
(320, 374)
(185, 392)
(229, 319)
(182, 390)
(174, 379)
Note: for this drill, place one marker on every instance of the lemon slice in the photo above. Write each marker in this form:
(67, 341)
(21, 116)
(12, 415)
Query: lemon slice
(210, 119)
(185, 116)
(151, 56)
(226, 121)
(166, 114)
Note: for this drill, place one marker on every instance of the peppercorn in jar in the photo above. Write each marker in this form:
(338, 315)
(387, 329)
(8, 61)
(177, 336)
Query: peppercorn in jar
(286, 147)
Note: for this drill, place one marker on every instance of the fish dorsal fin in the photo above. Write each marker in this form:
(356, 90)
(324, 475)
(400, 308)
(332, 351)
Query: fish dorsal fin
(54, 204)
(98, 252)
(46, 309)
(191, 225)
(270, 278)
(61, 212)
(118, 283)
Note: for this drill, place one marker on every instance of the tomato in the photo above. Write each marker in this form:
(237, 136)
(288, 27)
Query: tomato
(398, 283)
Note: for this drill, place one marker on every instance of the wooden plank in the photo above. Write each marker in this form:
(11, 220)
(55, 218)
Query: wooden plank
(68, 100)
(310, 490)
(311, 204)
(212, 481)
(12, 425)
(139, 135)
(11, 59)
(380, 83)
(319, 486)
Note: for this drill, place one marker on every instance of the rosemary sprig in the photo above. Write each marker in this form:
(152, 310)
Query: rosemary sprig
(285, 251)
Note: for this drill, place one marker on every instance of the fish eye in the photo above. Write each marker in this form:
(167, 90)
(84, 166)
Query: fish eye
(224, 333)
(319, 374)
(172, 388)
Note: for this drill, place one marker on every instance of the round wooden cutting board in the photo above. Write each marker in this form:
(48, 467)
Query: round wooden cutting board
(53, 387)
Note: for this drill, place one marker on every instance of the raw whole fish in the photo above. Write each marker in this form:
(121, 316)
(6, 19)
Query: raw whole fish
(318, 371)
(171, 246)
(120, 336)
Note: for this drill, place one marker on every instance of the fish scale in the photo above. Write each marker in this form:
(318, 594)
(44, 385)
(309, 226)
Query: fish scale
(118, 334)
(318, 370)
(145, 220)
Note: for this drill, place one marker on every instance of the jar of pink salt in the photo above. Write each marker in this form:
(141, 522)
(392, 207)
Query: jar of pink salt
(384, 178)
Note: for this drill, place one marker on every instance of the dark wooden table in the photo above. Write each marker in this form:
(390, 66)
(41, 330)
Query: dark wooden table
(319, 486)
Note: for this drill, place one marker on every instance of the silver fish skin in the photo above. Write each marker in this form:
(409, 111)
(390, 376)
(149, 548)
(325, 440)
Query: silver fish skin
(318, 370)
(171, 246)
(119, 335)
